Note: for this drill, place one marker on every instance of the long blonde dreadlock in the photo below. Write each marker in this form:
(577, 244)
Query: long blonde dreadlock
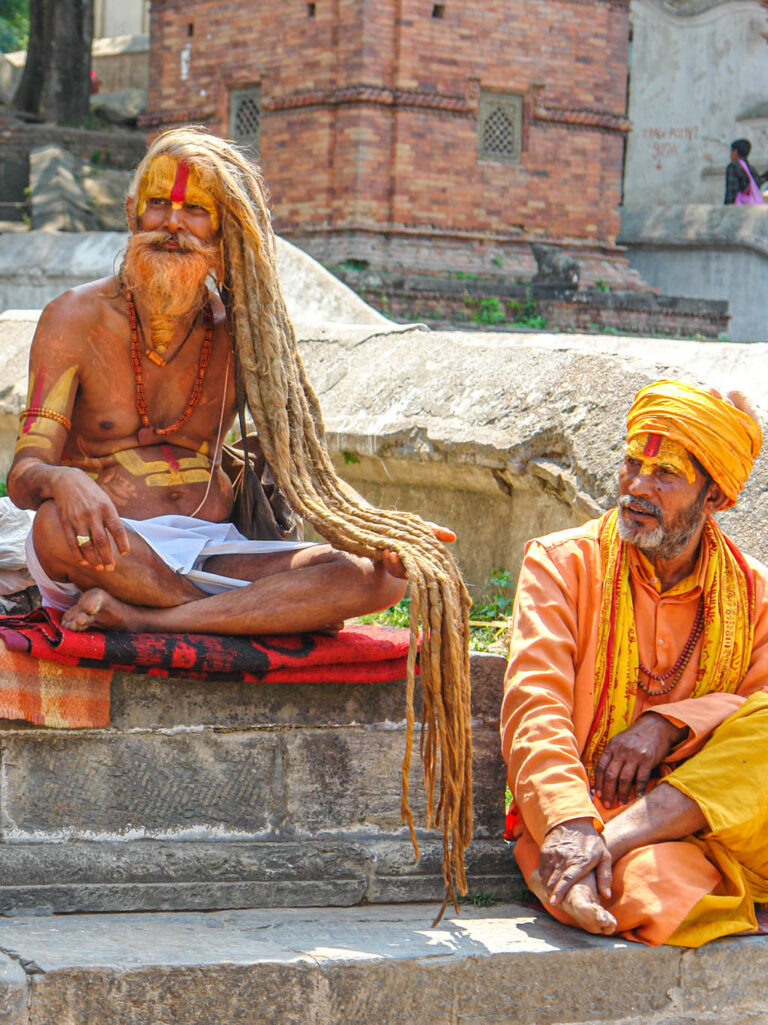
(287, 416)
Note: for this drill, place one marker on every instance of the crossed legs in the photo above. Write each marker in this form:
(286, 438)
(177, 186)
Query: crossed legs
(664, 814)
(305, 589)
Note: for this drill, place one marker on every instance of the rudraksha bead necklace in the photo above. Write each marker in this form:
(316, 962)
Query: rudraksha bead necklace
(138, 372)
(671, 678)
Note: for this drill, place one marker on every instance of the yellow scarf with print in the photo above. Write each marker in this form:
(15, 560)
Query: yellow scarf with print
(729, 627)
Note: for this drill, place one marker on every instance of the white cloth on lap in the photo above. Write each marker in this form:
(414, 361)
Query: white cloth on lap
(184, 543)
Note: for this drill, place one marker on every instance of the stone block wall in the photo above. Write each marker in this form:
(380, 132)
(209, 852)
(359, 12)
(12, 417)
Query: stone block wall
(369, 112)
(115, 148)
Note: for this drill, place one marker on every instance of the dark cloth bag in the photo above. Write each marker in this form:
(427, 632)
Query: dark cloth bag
(261, 511)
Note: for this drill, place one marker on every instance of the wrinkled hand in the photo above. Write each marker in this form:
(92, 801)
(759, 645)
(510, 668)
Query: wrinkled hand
(391, 560)
(85, 510)
(569, 853)
(630, 757)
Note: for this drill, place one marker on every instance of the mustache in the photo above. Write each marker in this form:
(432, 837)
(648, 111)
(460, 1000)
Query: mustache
(186, 243)
(642, 503)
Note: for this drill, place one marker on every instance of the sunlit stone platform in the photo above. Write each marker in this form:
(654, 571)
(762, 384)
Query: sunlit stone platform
(379, 965)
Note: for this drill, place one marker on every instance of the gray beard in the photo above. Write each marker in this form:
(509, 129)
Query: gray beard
(664, 541)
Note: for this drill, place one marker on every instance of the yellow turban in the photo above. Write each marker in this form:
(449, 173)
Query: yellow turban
(724, 439)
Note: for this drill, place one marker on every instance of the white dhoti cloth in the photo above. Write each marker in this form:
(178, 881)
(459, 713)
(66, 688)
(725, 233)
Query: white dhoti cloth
(184, 543)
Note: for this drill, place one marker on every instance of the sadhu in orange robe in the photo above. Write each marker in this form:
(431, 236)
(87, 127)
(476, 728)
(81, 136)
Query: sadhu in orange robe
(685, 892)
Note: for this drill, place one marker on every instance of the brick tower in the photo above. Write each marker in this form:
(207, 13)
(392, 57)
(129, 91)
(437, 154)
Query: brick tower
(411, 134)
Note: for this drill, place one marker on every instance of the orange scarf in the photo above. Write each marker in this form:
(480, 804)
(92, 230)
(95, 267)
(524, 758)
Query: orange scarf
(729, 627)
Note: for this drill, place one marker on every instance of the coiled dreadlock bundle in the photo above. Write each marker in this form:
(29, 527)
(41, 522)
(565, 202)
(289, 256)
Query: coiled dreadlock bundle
(287, 416)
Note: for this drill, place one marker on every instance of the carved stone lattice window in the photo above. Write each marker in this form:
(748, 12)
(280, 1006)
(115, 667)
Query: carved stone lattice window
(500, 127)
(245, 118)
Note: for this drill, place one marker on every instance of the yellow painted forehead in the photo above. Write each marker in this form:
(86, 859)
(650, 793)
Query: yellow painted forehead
(170, 178)
(654, 451)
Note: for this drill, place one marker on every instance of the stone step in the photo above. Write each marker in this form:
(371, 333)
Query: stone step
(505, 965)
(158, 876)
(211, 794)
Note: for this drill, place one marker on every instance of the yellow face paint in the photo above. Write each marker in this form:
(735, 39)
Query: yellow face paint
(654, 451)
(175, 180)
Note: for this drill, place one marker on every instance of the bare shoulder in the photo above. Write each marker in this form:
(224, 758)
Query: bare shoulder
(81, 308)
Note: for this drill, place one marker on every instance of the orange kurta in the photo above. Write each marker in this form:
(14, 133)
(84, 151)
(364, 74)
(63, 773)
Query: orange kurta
(548, 709)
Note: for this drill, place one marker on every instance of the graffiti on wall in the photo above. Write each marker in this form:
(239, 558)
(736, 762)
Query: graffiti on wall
(666, 142)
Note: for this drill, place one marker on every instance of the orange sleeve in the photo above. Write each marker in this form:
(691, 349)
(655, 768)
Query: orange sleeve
(703, 715)
(539, 744)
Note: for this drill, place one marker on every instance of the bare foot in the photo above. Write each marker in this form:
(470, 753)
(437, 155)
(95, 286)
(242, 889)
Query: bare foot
(581, 902)
(98, 610)
(332, 630)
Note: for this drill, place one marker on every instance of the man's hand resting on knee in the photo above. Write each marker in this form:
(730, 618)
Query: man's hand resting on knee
(624, 768)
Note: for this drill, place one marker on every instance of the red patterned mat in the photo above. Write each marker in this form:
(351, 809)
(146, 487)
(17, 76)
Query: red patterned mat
(56, 677)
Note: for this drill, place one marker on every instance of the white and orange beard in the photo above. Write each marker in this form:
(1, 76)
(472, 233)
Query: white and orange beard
(170, 282)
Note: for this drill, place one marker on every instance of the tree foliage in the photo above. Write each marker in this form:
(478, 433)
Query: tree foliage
(14, 25)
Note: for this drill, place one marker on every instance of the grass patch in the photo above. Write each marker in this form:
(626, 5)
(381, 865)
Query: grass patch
(488, 619)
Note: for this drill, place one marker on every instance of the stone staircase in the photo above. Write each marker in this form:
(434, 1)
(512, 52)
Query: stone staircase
(232, 852)
(209, 795)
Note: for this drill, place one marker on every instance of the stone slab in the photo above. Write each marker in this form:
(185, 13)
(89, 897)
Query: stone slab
(156, 876)
(505, 964)
(199, 783)
(150, 702)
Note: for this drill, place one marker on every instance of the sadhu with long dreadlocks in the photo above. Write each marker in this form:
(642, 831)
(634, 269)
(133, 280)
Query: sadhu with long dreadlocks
(133, 386)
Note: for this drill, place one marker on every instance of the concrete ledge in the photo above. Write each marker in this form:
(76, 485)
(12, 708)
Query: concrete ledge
(505, 964)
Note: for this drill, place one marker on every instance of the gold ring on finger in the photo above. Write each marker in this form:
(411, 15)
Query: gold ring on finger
(82, 539)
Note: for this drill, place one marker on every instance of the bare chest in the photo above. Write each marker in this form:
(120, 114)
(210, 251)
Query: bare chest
(119, 398)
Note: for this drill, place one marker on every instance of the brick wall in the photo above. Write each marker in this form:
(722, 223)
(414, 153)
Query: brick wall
(370, 111)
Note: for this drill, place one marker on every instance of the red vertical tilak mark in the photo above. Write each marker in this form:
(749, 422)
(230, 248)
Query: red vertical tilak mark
(653, 445)
(179, 189)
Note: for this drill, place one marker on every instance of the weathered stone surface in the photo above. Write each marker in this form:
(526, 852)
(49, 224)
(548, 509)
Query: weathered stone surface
(165, 875)
(13, 992)
(122, 107)
(714, 252)
(503, 964)
(87, 785)
(106, 188)
(57, 199)
(199, 783)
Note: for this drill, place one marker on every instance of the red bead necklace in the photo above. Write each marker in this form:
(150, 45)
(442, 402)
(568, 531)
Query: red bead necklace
(197, 388)
(672, 676)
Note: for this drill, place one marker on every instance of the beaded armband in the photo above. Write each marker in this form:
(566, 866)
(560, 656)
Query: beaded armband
(47, 414)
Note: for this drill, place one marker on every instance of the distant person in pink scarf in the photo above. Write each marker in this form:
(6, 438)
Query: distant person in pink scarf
(742, 182)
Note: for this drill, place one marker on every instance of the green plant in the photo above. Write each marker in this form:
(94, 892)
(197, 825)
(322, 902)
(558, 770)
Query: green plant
(398, 615)
(602, 286)
(524, 313)
(3, 489)
(349, 457)
(353, 265)
(489, 311)
(497, 260)
(462, 275)
(487, 618)
(478, 900)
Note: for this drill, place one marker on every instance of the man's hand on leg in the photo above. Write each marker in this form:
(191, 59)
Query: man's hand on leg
(625, 767)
